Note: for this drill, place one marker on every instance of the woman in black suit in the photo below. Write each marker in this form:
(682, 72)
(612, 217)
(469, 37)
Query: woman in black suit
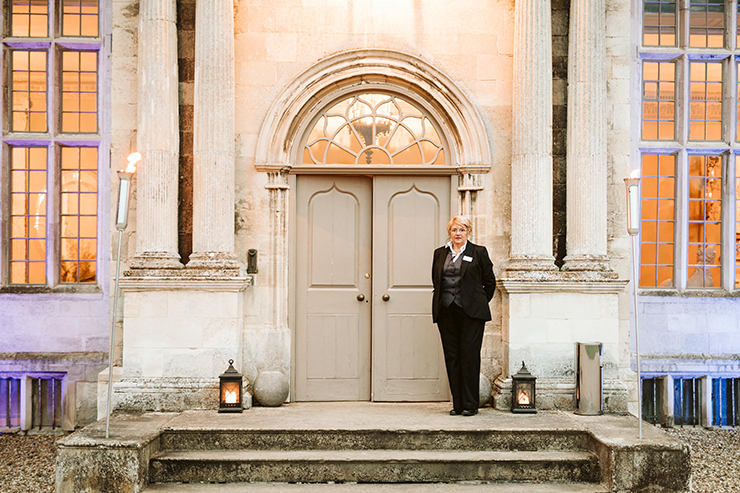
(463, 280)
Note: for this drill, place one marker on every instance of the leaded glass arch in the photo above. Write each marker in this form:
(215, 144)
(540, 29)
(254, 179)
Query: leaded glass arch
(374, 128)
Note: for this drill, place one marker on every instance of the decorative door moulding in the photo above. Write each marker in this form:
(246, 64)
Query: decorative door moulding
(367, 70)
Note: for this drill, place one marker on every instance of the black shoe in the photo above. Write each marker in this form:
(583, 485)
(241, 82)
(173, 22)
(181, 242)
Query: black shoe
(472, 412)
(455, 413)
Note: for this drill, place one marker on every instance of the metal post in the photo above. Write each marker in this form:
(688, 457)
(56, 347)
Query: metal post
(121, 222)
(637, 332)
(112, 335)
(633, 228)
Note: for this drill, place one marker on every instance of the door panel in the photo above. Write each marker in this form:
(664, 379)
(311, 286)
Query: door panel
(410, 215)
(333, 231)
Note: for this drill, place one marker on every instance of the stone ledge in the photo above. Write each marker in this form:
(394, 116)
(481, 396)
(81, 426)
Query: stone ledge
(87, 461)
(170, 394)
(184, 280)
(560, 282)
(557, 394)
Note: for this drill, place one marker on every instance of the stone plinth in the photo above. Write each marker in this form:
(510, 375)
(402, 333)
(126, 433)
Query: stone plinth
(543, 321)
(179, 334)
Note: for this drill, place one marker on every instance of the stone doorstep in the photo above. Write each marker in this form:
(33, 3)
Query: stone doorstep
(656, 462)
(373, 466)
(471, 487)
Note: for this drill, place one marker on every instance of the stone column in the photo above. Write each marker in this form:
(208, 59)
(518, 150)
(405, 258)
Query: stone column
(531, 166)
(213, 137)
(278, 188)
(158, 137)
(586, 165)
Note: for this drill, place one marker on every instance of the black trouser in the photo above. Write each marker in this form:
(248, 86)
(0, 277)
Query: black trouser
(462, 337)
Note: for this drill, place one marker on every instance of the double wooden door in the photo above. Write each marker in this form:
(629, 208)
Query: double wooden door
(363, 324)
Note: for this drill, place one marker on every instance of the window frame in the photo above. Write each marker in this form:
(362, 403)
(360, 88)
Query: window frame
(54, 140)
(682, 147)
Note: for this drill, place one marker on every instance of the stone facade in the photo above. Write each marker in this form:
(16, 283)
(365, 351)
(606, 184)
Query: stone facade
(539, 141)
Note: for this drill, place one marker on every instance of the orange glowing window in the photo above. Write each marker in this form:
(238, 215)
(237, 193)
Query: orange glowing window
(705, 112)
(659, 23)
(79, 214)
(657, 224)
(29, 18)
(28, 204)
(28, 91)
(80, 18)
(79, 91)
(706, 23)
(705, 221)
(374, 129)
(658, 100)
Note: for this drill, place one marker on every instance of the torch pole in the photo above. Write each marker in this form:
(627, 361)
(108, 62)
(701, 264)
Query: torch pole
(112, 336)
(633, 228)
(124, 185)
(637, 332)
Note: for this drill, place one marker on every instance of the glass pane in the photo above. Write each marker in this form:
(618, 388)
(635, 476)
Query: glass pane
(36, 273)
(70, 226)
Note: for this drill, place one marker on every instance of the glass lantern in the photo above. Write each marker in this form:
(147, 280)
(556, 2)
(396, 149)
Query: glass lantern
(523, 399)
(230, 390)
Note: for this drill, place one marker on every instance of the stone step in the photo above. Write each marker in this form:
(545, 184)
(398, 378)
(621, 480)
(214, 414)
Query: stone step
(375, 439)
(467, 487)
(371, 466)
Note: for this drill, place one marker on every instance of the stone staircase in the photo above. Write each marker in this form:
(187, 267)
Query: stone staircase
(375, 456)
(370, 448)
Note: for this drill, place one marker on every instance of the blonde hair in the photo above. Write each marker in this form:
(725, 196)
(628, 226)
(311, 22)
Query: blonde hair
(460, 221)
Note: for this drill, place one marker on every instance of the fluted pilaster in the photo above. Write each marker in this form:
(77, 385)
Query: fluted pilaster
(531, 167)
(586, 165)
(213, 138)
(158, 137)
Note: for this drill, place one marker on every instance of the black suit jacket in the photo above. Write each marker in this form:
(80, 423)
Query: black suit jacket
(477, 281)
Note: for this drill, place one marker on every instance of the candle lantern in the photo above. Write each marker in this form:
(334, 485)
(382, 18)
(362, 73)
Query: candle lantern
(230, 390)
(523, 398)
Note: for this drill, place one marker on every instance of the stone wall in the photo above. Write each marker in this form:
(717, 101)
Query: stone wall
(472, 43)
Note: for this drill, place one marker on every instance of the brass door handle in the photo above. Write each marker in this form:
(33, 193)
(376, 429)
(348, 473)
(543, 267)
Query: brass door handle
(360, 297)
(386, 297)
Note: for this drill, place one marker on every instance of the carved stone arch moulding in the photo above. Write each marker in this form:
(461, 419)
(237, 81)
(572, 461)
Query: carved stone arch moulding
(468, 146)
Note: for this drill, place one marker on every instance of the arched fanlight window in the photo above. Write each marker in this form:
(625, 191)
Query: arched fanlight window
(374, 129)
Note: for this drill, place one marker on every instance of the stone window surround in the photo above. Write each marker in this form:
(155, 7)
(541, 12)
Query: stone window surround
(52, 140)
(682, 148)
